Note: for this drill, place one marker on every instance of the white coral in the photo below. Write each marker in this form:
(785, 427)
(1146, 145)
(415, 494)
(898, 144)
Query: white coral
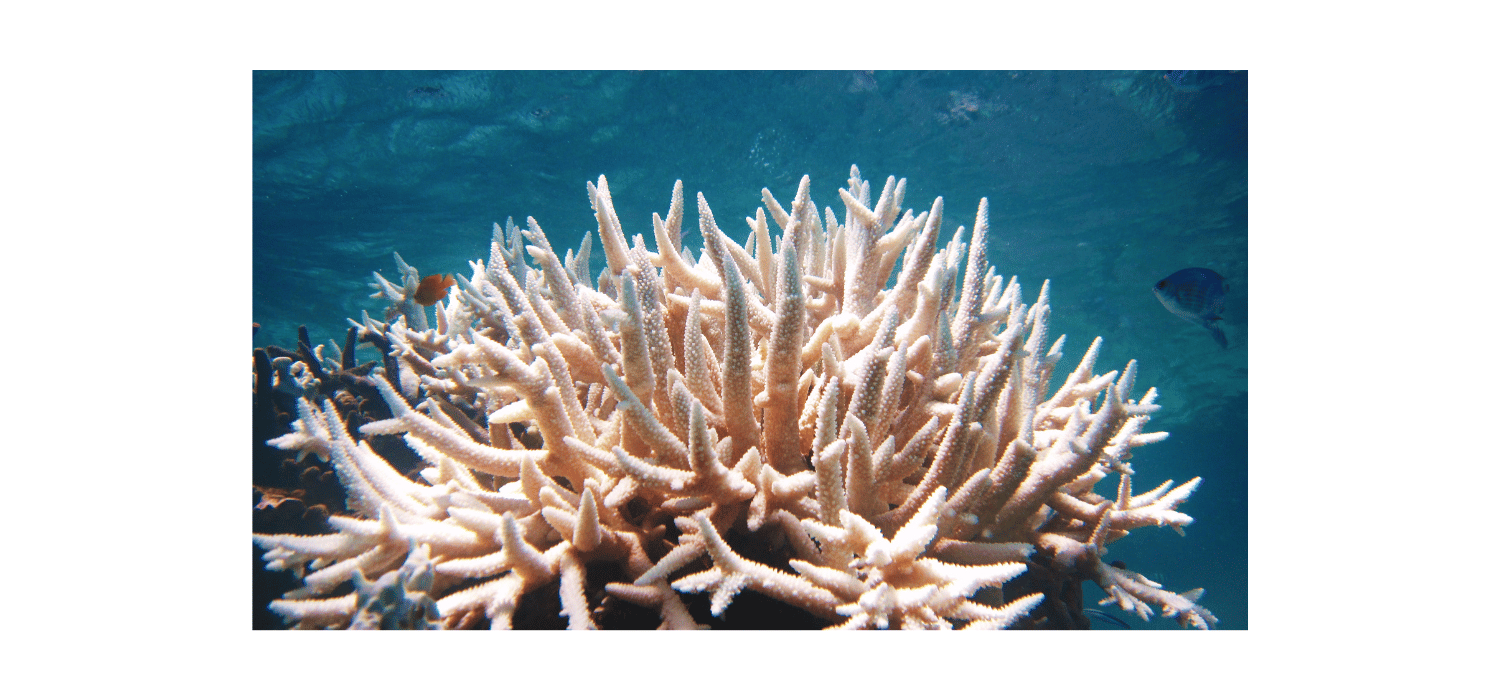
(896, 444)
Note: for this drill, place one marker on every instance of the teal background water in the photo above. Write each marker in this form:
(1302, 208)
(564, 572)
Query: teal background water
(1102, 182)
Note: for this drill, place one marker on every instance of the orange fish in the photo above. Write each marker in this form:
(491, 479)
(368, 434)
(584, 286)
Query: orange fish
(432, 288)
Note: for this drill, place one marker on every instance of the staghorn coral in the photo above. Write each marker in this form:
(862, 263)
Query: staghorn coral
(891, 455)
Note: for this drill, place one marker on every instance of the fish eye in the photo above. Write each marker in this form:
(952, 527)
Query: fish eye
(1161, 284)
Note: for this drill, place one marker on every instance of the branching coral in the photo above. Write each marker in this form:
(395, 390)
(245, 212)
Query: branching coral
(892, 452)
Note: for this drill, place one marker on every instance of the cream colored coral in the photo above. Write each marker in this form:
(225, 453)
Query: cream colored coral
(897, 445)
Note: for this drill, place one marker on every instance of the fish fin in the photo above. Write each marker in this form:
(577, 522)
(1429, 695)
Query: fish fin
(1219, 336)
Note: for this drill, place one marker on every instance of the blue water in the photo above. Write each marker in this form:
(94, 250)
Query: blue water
(1102, 182)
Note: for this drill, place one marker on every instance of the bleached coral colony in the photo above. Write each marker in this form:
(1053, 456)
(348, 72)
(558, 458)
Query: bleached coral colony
(763, 417)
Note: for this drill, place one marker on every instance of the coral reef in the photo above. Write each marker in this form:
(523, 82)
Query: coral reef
(756, 426)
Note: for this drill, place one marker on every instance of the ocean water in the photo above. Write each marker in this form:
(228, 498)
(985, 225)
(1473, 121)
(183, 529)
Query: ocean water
(1101, 181)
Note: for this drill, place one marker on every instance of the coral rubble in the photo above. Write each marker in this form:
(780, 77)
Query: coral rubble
(758, 417)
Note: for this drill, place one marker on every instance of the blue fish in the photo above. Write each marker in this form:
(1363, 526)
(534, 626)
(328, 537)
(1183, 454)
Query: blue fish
(1195, 294)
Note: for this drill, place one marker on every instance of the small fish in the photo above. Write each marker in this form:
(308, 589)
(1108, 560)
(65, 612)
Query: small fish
(432, 288)
(1195, 294)
(1105, 617)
